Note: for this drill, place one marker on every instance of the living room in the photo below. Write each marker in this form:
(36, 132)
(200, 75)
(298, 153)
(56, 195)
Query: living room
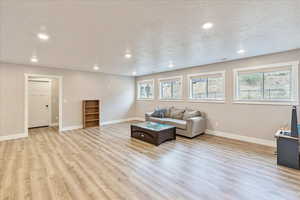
(149, 99)
(247, 120)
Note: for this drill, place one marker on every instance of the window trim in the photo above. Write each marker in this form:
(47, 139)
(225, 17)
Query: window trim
(138, 92)
(207, 100)
(171, 78)
(294, 75)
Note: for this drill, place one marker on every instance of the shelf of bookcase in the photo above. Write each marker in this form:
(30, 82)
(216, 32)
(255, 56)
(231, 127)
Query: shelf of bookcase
(90, 110)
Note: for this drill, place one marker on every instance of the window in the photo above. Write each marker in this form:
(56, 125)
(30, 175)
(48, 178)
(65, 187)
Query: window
(171, 88)
(145, 89)
(207, 86)
(272, 83)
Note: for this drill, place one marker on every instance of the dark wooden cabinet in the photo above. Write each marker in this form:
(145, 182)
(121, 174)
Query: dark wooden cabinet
(90, 113)
(288, 153)
(151, 136)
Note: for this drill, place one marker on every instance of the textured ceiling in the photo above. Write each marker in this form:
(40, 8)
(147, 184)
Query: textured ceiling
(156, 32)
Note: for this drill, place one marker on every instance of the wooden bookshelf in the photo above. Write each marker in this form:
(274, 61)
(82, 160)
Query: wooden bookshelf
(90, 113)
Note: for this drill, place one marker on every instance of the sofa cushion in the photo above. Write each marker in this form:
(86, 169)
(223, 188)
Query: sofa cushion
(181, 124)
(167, 113)
(160, 113)
(176, 113)
(156, 119)
(191, 113)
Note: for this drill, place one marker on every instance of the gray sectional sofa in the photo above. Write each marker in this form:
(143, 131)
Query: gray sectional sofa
(188, 123)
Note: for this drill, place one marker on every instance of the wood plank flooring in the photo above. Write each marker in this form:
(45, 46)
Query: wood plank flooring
(108, 164)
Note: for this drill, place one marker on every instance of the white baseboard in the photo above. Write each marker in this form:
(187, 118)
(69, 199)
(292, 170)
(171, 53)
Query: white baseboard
(68, 128)
(242, 138)
(210, 132)
(122, 120)
(13, 137)
(138, 119)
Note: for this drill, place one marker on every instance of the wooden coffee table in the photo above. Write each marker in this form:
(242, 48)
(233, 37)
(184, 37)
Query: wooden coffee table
(153, 133)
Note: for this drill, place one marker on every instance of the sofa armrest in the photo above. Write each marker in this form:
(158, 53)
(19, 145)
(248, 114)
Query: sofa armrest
(196, 125)
(148, 115)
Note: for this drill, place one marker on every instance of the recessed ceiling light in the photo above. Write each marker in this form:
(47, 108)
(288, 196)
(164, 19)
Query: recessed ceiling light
(127, 55)
(207, 25)
(43, 36)
(241, 51)
(133, 73)
(96, 67)
(34, 59)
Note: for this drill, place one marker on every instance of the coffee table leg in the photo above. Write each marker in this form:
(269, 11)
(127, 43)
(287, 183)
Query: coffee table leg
(174, 133)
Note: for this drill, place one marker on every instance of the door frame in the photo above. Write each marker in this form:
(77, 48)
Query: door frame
(60, 86)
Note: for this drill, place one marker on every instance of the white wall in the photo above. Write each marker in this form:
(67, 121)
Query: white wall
(118, 97)
(116, 93)
(259, 121)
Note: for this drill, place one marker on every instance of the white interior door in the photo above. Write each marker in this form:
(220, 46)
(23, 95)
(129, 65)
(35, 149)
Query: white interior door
(39, 93)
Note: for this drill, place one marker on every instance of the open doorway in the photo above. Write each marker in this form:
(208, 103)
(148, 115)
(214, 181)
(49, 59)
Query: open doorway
(43, 101)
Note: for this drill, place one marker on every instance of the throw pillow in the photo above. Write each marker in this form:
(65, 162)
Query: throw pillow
(167, 114)
(176, 113)
(160, 113)
(191, 113)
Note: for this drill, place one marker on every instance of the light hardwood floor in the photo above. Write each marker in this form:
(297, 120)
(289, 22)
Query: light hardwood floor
(108, 164)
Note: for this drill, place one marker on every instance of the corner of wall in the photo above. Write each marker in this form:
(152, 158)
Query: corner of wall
(135, 104)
